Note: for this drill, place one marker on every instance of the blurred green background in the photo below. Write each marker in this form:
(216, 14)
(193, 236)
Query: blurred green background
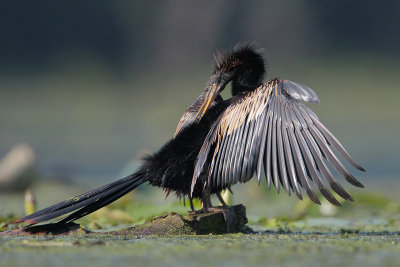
(94, 85)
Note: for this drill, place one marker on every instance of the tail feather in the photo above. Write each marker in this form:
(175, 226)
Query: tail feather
(99, 204)
(87, 202)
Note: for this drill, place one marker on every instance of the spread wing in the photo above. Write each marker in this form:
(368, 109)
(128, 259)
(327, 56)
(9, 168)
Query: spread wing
(271, 127)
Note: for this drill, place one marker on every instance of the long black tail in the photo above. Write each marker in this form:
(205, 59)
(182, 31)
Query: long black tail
(88, 202)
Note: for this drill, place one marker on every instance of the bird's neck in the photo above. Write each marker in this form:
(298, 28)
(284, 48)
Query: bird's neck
(247, 79)
(240, 86)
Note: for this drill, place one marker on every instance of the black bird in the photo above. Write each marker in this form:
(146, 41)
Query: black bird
(221, 142)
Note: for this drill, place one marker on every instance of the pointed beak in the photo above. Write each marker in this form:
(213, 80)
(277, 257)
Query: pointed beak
(213, 91)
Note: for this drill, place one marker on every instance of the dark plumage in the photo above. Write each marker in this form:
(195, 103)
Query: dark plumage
(219, 143)
(170, 168)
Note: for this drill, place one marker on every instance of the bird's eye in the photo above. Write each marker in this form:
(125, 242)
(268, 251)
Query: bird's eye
(206, 89)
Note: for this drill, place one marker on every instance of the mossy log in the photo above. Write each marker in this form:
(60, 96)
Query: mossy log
(223, 220)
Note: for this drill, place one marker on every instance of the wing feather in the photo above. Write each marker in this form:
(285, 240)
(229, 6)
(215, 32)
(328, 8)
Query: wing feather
(274, 152)
(242, 131)
(262, 145)
(238, 158)
(324, 170)
(319, 157)
(336, 144)
(232, 173)
(282, 160)
(255, 143)
(220, 161)
(247, 154)
(310, 162)
(289, 155)
(300, 166)
(267, 156)
(331, 157)
(227, 157)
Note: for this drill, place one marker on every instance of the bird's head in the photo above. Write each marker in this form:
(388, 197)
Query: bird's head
(243, 67)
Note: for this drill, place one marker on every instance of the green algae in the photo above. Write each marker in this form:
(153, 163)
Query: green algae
(295, 249)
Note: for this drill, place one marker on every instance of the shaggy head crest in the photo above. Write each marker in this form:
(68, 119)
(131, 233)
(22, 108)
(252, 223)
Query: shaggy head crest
(241, 55)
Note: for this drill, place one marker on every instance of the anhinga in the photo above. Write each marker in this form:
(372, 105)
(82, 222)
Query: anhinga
(221, 142)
